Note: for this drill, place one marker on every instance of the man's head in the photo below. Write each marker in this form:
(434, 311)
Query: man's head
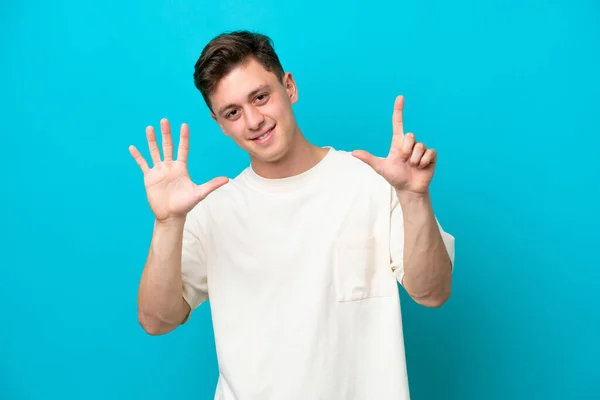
(248, 93)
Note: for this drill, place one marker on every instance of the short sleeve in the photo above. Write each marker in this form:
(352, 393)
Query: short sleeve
(194, 258)
(397, 239)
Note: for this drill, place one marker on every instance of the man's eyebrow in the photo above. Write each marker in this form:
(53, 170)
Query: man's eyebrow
(250, 95)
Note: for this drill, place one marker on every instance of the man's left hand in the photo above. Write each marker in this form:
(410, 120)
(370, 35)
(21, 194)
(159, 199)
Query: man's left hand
(409, 165)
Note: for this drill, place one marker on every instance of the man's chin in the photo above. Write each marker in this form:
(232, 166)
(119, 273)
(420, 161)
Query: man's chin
(268, 155)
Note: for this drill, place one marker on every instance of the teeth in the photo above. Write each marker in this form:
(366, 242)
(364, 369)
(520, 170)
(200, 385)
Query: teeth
(263, 136)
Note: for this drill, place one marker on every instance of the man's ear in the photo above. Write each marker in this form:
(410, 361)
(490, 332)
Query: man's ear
(290, 87)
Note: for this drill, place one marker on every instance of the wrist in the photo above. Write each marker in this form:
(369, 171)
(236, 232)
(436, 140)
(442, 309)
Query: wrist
(411, 198)
(170, 222)
(416, 207)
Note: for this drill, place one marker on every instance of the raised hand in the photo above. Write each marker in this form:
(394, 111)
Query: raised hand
(409, 165)
(170, 191)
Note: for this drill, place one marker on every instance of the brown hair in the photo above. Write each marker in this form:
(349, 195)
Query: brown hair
(229, 50)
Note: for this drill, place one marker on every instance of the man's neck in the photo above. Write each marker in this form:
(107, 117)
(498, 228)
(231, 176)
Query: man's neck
(301, 157)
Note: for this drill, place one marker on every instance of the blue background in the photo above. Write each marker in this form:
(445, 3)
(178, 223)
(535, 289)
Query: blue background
(508, 92)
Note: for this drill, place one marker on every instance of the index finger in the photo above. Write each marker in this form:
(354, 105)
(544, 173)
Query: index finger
(397, 122)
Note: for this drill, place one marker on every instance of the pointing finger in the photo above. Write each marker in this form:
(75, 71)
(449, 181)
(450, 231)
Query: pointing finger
(184, 142)
(397, 118)
(152, 146)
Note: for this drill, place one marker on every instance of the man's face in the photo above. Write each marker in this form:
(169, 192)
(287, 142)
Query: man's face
(255, 110)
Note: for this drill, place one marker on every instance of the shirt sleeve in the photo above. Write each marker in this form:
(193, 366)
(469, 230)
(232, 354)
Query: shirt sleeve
(397, 239)
(194, 258)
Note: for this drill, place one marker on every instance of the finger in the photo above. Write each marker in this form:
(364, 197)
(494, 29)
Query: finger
(428, 158)
(207, 188)
(369, 159)
(418, 152)
(139, 159)
(406, 148)
(184, 142)
(167, 140)
(152, 146)
(397, 118)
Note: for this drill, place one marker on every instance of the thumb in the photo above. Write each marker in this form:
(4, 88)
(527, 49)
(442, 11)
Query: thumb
(202, 191)
(369, 159)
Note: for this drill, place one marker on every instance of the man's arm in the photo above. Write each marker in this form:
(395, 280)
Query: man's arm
(161, 305)
(427, 265)
(163, 301)
(409, 168)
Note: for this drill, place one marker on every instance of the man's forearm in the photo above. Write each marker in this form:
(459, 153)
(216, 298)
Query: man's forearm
(161, 306)
(427, 265)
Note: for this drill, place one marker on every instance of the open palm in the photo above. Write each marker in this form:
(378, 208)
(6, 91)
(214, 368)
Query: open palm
(170, 191)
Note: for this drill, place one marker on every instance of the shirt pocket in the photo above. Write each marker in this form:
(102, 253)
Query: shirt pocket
(358, 272)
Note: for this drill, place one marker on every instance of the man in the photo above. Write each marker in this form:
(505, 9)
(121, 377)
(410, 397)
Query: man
(300, 254)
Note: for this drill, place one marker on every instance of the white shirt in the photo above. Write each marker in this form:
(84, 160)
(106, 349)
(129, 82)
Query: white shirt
(302, 278)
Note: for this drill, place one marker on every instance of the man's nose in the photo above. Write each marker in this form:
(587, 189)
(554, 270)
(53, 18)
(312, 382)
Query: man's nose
(254, 118)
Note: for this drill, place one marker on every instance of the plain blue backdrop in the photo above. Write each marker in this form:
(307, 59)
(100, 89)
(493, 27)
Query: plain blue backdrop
(508, 92)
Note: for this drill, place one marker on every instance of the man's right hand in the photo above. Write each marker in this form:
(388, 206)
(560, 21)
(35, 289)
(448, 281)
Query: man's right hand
(170, 191)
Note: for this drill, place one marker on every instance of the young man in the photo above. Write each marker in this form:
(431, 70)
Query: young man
(300, 254)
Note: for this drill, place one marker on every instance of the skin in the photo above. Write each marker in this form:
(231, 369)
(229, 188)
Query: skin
(248, 102)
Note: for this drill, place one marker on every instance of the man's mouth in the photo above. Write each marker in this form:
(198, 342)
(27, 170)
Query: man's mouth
(263, 136)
